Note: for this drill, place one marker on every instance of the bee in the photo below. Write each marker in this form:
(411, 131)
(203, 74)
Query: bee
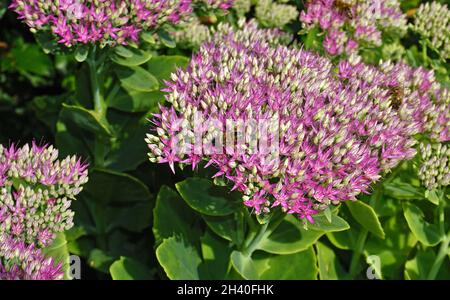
(208, 19)
(345, 6)
(397, 95)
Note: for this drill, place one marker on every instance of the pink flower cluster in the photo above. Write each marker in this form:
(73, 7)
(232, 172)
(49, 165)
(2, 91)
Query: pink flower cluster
(423, 100)
(36, 190)
(104, 21)
(350, 23)
(419, 97)
(218, 4)
(19, 261)
(338, 132)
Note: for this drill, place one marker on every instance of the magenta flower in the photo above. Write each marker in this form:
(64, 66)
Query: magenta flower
(327, 137)
(19, 261)
(102, 21)
(348, 23)
(36, 190)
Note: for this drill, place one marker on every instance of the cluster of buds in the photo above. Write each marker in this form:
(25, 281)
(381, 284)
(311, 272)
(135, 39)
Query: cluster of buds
(19, 261)
(191, 33)
(351, 23)
(195, 34)
(330, 135)
(249, 32)
(272, 14)
(434, 171)
(36, 190)
(108, 22)
(216, 4)
(432, 21)
(414, 93)
(269, 13)
(423, 100)
(242, 7)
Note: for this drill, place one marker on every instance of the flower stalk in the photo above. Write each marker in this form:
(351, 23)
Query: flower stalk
(97, 96)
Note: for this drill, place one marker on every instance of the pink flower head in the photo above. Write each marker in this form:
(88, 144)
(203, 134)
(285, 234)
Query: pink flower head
(334, 132)
(74, 21)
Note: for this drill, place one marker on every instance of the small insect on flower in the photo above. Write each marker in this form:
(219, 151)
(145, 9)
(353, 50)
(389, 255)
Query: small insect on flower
(331, 135)
(345, 6)
(397, 95)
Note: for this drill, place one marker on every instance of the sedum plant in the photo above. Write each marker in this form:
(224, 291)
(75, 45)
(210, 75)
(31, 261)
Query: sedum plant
(36, 191)
(434, 169)
(105, 22)
(290, 164)
(268, 13)
(272, 14)
(432, 22)
(19, 261)
(337, 133)
(349, 25)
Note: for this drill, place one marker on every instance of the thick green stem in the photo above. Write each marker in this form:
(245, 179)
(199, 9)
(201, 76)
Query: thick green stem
(99, 103)
(424, 53)
(441, 214)
(443, 251)
(98, 100)
(363, 234)
(255, 237)
(99, 152)
(254, 242)
(358, 252)
(390, 177)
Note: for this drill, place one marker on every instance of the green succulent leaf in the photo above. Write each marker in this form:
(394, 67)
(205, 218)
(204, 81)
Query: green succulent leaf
(137, 79)
(163, 66)
(426, 233)
(130, 57)
(331, 223)
(171, 216)
(244, 265)
(81, 53)
(206, 198)
(290, 237)
(403, 191)
(166, 39)
(148, 38)
(30, 59)
(123, 51)
(297, 266)
(393, 251)
(329, 265)
(119, 217)
(179, 259)
(366, 216)
(136, 101)
(432, 196)
(226, 226)
(84, 119)
(127, 268)
(420, 266)
(100, 260)
(216, 257)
